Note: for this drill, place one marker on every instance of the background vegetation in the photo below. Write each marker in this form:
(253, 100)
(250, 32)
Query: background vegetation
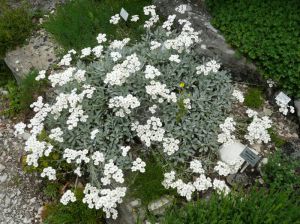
(267, 32)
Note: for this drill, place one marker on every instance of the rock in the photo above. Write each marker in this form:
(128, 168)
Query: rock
(216, 46)
(292, 148)
(297, 106)
(3, 178)
(230, 154)
(159, 206)
(239, 179)
(33, 55)
(267, 112)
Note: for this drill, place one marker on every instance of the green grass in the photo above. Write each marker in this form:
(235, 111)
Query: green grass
(15, 26)
(147, 186)
(77, 23)
(267, 32)
(275, 138)
(254, 98)
(259, 206)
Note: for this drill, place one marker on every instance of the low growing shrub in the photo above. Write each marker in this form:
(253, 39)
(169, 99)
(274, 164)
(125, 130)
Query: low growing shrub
(254, 98)
(265, 31)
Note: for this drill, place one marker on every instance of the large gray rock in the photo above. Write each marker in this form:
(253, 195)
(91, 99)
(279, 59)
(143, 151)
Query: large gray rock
(38, 54)
(216, 47)
(297, 106)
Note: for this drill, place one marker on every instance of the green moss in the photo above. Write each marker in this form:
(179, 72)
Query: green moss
(76, 24)
(254, 98)
(15, 26)
(148, 186)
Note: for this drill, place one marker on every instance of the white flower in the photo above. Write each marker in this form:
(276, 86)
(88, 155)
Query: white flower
(138, 165)
(227, 128)
(98, 157)
(159, 91)
(220, 186)
(49, 172)
(196, 166)
(181, 8)
(42, 75)
(153, 109)
(101, 38)
(19, 128)
(67, 197)
(169, 180)
(77, 156)
(175, 58)
(111, 171)
(251, 113)
(115, 56)
(115, 19)
(94, 133)
(208, 67)
(202, 183)
(170, 145)
(151, 72)
(125, 104)
(125, 150)
(258, 130)
(271, 83)
(97, 51)
(85, 52)
(150, 10)
(56, 134)
(168, 23)
(154, 45)
(134, 18)
(222, 168)
(187, 104)
(77, 171)
(238, 95)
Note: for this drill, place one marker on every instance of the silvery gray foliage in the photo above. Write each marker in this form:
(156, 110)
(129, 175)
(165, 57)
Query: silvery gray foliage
(195, 128)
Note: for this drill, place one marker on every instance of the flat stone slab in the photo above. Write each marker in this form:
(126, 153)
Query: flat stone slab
(230, 154)
(38, 54)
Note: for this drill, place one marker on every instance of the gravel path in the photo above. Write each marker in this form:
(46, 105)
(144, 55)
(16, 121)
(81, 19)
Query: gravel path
(19, 197)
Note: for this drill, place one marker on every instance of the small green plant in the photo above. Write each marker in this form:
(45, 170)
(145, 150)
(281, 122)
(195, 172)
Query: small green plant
(254, 98)
(15, 26)
(148, 186)
(51, 190)
(77, 23)
(21, 96)
(259, 206)
(275, 138)
(73, 213)
(280, 171)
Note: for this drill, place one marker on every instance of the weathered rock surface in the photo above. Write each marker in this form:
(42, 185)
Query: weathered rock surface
(39, 53)
(216, 47)
(230, 154)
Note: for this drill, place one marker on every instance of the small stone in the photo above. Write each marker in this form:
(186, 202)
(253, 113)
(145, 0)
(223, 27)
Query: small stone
(2, 167)
(268, 112)
(239, 179)
(159, 206)
(3, 178)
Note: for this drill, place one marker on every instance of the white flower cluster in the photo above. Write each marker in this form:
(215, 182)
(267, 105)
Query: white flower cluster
(285, 108)
(202, 183)
(66, 60)
(151, 72)
(105, 199)
(227, 128)
(185, 39)
(135, 18)
(222, 168)
(154, 45)
(101, 38)
(150, 10)
(238, 95)
(111, 171)
(125, 150)
(175, 58)
(126, 104)
(42, 75)
(169, 22)
(187, 104)
(67, 197)
(122, 71)
(258, 129)
(98, 157)
(208, 67)
(19, 128)
(97, 51)
(116, 56)
(85, 52)
(159, 91)
(170, 145)
(56, 134)
(119, 44)
(138, 165)
(49, 172)
(78, 156)
(196, 166)
(271, 83)
(152, 131)
(153, 108)
(115, 19)
(220, 186)
(181, 8)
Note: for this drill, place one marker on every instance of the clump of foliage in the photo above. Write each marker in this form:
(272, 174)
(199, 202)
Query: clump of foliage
(275, 138)
(51, 190)
(21, 96)
(148, 186)
(267, 32)
(77, 23)
(5, 74)
(254, 98)
(280, 171)
(257, 206)
(75, 212)
(15, 26)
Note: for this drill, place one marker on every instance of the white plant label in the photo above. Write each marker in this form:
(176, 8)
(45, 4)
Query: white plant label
(124, 14)
(283, 98)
